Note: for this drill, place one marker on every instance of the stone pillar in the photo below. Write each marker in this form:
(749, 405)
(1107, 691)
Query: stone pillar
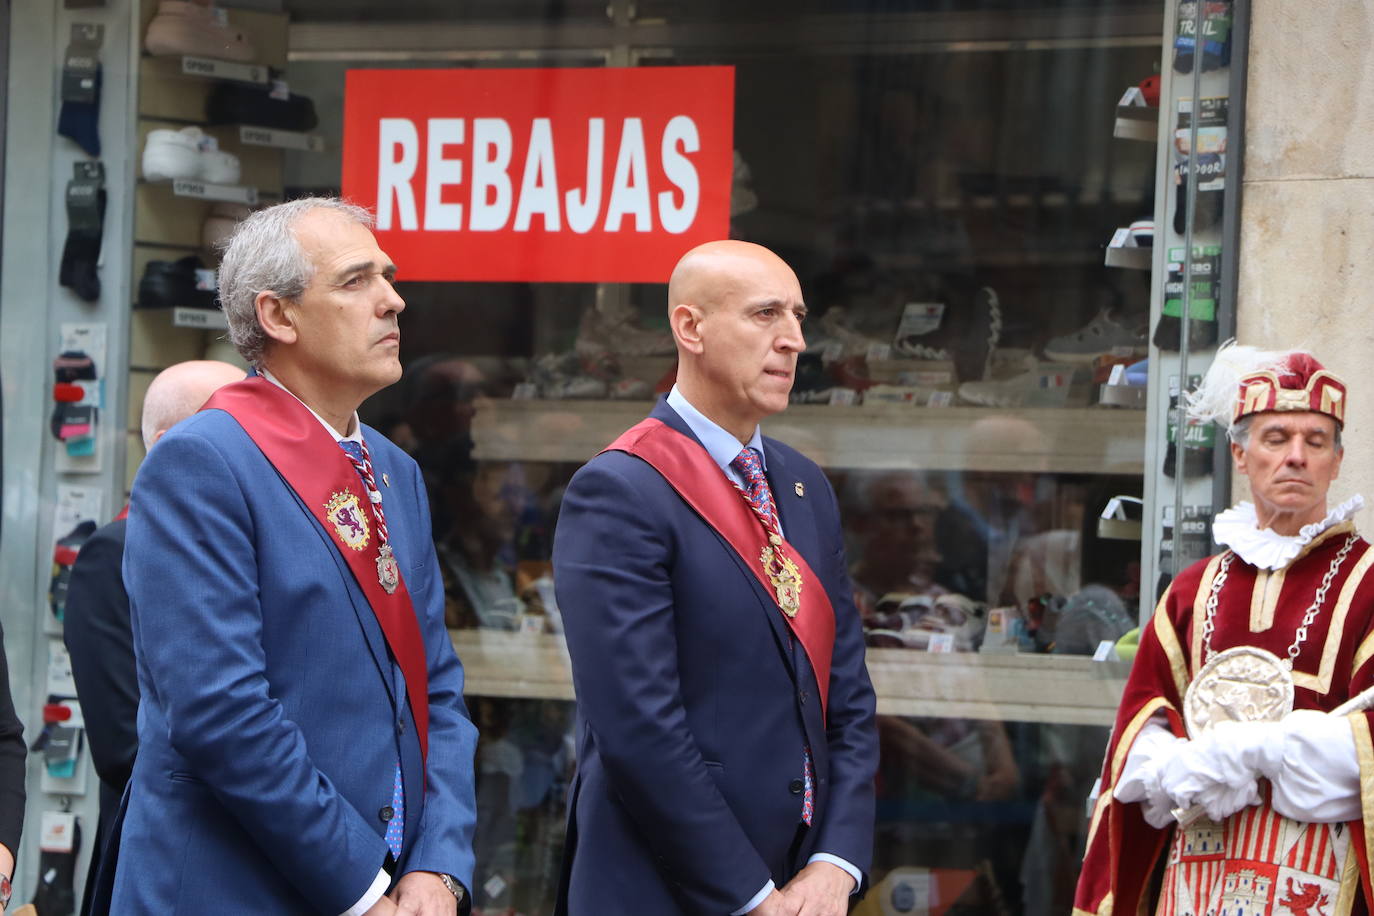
(1307, 219)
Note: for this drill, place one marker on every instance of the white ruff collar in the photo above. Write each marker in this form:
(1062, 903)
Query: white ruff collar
(1238, 528)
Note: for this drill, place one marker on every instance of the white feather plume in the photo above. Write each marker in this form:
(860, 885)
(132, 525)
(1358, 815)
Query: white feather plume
(1215, 398)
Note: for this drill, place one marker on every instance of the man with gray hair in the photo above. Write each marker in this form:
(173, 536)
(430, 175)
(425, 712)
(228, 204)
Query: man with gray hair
(1243, 751)
(303, 743)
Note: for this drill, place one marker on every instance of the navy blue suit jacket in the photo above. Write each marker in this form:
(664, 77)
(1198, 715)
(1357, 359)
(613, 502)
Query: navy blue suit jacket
(272, 716)
(695, 703)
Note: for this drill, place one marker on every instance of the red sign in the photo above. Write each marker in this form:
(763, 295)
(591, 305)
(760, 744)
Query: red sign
(549, 175)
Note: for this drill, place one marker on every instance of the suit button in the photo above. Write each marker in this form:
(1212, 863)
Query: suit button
(796, 786)
(387, 813)
(803, 696)
(400, 726)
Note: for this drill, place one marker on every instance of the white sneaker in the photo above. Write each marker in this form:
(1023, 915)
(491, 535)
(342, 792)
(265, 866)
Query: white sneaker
(219, 167)
(1046, 386)
(1104, 334)
(172, 154)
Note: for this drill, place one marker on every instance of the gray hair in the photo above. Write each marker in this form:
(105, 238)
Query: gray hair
(1239, 433)
(263, 254)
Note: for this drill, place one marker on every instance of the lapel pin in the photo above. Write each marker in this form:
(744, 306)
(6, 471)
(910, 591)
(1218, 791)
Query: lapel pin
(387, 480)
(800, 488)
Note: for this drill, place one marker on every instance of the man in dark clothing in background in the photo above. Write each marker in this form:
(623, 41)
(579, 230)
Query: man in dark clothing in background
(96, 628)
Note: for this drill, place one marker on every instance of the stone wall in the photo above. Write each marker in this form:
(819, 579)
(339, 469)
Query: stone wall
(1307, 221)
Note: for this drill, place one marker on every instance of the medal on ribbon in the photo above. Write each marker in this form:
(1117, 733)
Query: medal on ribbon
(784, 575)
(388, 571)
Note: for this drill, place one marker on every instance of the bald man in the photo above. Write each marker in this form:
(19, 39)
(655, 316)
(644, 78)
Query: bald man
(96, 628)
(726, 740)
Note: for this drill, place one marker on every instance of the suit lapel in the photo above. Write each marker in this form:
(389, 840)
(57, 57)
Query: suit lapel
(367, 620)
(794, 509)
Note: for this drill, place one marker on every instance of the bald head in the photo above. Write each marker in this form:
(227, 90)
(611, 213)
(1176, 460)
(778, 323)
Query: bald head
(179, 391)
(710, 272)
(736, 312)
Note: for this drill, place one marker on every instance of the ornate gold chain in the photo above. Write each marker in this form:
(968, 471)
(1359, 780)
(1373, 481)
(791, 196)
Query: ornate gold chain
(1209, 620)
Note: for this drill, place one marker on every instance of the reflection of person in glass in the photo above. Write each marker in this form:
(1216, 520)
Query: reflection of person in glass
(1292, 795)
(701, 575)
(478, 585)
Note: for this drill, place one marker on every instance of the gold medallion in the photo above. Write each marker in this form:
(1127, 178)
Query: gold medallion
(785, 578)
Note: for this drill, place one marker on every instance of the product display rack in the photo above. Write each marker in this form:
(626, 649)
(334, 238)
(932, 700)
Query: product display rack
(172, 94)
(1072, 440)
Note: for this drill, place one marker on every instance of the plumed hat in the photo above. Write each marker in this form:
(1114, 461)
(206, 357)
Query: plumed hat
(1247, 380)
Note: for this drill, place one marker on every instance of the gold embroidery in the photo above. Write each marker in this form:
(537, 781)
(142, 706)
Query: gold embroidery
(1364, 752)
(1168, 641)
(1104, 800)
(1363, 654)
(1123, 746)
(1321, 682)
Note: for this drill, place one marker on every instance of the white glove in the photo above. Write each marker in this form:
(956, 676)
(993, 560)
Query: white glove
(1319, 779)
(1139, 782)
(1221, 768)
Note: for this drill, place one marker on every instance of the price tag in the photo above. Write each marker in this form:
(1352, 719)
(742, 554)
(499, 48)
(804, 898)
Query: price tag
(940, 399)
(843, 397)
(204, 319)
(941, 643)
(281, 139)
(877, 352)
(1106, 651)
(1118, 374)
(525, 391)
(234, 194)
(224, 70)
(280, 91)
(920, 318)
(1120, 238)
(832, 351)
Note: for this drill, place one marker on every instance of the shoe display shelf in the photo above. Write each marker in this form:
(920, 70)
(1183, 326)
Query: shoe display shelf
(1072, 690)
(1087, 440)
(169, 215)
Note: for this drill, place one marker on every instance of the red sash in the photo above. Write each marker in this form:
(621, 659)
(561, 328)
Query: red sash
(314, 465)
(698, 480)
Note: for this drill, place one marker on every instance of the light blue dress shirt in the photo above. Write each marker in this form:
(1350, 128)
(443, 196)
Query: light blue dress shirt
(723, 447)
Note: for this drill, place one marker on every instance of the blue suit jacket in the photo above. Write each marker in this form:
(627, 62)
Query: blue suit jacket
(694, 702)
(272, 716)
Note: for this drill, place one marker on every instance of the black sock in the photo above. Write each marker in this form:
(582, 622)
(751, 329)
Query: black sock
(56, 894)
(80, 255)
(85, 228)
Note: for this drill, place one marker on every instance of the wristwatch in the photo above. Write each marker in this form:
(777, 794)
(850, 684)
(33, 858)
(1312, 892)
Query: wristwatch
(6, 889)
(450, 882)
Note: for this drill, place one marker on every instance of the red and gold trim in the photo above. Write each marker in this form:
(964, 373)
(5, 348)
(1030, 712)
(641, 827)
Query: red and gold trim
(1261, 391)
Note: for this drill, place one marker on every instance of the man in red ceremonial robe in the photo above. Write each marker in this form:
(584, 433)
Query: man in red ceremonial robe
(303, 744)
(1231, 772)
(726, 740)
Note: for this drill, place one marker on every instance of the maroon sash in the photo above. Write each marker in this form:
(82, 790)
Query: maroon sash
(314, 465)
(698, 480)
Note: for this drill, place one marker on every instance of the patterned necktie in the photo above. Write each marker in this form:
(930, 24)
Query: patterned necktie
(760, 497)
(755, 489)
(362, 463)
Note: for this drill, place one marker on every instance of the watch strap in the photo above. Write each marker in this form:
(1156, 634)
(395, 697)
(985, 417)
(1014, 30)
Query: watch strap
(454, 886)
